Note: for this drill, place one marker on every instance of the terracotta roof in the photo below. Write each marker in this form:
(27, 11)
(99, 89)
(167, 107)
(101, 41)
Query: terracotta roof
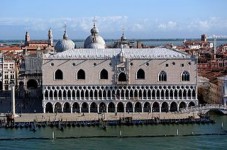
(10, 48)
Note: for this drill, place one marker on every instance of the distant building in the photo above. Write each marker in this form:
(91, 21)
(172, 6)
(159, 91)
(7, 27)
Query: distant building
(222, 82)
(196, 44)
(32, 45)
(30, 75)
(123, 42)
(7, 73)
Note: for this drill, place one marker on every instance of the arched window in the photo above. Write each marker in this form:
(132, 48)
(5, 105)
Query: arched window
(140, 74)
(162, 76)
(81, 74)
(185, 76)
(104, 74)
(122, 77)
(58, 75)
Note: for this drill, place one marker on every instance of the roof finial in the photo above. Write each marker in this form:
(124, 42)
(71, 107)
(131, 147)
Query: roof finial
(94, 21)
(123, 34)
(65, 36)
(123, 30)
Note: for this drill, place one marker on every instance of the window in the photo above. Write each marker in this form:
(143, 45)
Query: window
(81, 74)
(122, 77)
(58, 75)
(185, 76)
(162, 76)
(140, 74)
(104, 74)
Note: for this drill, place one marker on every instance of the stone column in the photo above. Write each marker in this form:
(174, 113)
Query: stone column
(13, 100)
(71, 109)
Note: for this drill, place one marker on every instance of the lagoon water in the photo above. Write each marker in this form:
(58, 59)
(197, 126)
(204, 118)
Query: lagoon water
(191, 136)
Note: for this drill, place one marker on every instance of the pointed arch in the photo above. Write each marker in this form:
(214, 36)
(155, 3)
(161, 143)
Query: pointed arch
(76, 107)
(111, 107)
(129, 107)
(104, 74)
(49, 108)
(155, 107)
(102, 107)
(58, 75)
(173, 107)
(140, 74)
(182, 105)
(164, 107)
(120, 107)
(162, 76)
(191, 104)
(57, 107)
(84, 107)
(147, 107)
(138, 107)
(81, 74)
(66, 108)
(51, 94)
(122, 77)
(93, 107)
(185, 76)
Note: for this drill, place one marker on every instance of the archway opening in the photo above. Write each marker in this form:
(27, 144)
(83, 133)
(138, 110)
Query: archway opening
(155, 107)
(49, 108)
(111, 107)
(120, 107)
(32, 84)
(84, 108)
(164, 107)
(76, 107)
(173, 107)
(57, 108)
(138, 107)
(191, 104)
(102, 107)
(129, 107)
(66, 108)
(182, 105)
(147, 107)
(93, 107)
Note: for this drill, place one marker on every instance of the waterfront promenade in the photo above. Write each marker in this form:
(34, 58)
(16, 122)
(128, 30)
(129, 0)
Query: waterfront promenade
(41, 117)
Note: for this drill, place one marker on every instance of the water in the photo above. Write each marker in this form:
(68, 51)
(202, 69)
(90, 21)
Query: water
(148, 42)
(70, 138)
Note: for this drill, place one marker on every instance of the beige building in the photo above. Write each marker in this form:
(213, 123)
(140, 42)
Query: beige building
(7, 73)
(118, 80)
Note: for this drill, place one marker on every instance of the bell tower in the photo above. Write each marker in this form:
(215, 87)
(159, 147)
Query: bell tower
(50, 38)
(27, 39)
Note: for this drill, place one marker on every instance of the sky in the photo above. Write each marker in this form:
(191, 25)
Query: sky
(138, 19)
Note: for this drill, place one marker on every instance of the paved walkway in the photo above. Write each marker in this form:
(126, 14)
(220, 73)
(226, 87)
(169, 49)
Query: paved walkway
(30, 117)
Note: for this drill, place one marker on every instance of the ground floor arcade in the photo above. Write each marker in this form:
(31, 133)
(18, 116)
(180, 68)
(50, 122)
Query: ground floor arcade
(117, 106)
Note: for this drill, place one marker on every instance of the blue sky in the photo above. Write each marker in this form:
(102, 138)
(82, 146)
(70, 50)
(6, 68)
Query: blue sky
(139, 18)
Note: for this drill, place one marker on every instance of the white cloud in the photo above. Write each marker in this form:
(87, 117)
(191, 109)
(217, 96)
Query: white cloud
(112, 25)
(170, 25)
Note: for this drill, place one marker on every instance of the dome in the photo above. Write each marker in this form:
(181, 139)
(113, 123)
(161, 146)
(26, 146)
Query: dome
(94, 40)
(64, 44)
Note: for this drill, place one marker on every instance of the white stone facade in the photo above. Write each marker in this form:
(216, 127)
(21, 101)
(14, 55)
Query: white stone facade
(7, 73)
(119, 80)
